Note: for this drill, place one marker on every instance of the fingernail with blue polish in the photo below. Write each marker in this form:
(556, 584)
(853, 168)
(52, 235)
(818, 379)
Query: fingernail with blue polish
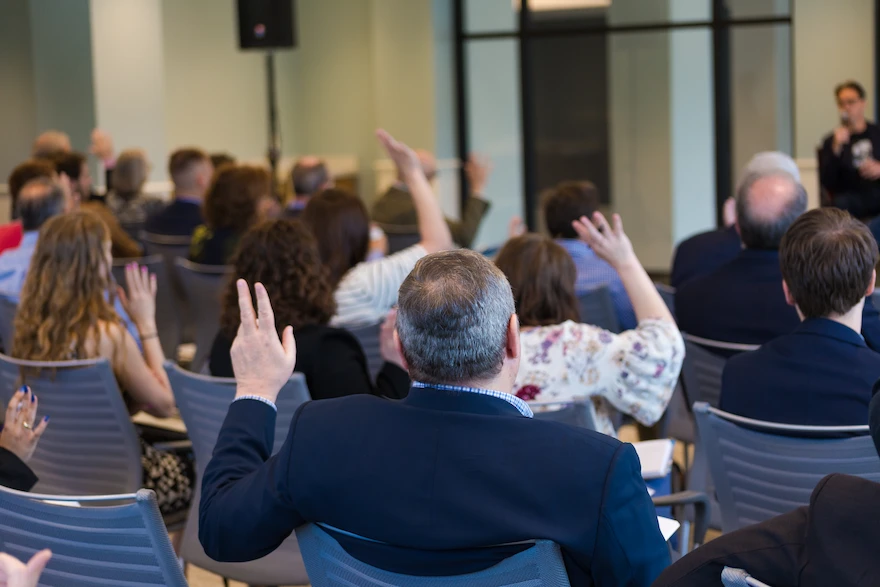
(45, 418)
(23, 389)
(33, 398)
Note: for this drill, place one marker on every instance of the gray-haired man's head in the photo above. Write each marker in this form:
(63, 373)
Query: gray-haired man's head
(766, 205)
(39, 200)
(453, 319)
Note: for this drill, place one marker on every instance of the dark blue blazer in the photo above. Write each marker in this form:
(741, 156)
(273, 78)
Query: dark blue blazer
(819, 375)
(704, 253)
(179, 218)
(743, 302)
(434, 472)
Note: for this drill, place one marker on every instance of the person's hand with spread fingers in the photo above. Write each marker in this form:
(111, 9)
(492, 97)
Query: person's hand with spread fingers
(19, 438)
(14, 573)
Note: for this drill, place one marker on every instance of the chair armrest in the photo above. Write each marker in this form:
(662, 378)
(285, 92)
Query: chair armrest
(701, 504)
(173, 445)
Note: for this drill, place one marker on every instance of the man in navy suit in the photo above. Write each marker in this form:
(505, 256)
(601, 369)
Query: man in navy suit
(820, 374)
(743, 301)
(191, 171)
(457, 465)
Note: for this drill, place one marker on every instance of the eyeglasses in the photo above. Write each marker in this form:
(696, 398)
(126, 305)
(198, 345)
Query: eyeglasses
(852, 102)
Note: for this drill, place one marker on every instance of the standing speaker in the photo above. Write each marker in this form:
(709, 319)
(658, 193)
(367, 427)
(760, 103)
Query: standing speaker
(266, 24)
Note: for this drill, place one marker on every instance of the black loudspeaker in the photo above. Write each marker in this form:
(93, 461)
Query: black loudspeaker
(266, 24)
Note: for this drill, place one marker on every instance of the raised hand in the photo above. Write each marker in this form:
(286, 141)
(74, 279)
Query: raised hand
(102, 145)
(14, 573)
(140, 301)
(262, 362)
(21, 431)
(477, 168)
(406, 160)
(609, 243)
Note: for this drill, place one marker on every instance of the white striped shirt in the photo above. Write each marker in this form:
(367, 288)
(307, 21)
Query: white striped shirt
(369, 290)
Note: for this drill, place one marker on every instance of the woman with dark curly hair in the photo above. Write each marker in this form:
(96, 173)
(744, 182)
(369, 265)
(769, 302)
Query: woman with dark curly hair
(283, 256)
(232, 205)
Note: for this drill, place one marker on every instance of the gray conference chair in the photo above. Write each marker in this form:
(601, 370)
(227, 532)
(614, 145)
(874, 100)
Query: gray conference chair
(8, 308)
(667, 292)
(167, 319)
(368, 337)
(731, 577)
(172, 247)
(124, 544)
(330, 566)
(203, 402)
(90, 446)
(202, 286)
(764, 469)
(400, 237)
(578, 412)
(597, 308)
(703, 367)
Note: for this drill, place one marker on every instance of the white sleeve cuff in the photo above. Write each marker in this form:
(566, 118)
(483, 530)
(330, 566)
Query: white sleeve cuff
(259, 399)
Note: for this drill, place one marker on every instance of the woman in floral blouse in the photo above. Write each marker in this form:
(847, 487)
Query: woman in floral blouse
(634, 372)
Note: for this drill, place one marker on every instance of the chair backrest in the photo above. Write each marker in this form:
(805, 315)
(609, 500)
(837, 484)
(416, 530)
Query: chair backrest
(121, 545)
(167, 319)
(399, 241)
(667, 292)
(703, 367)
(170, 248)
(90, 445)
(329, 565)
(202, 286)
(578, 412)
(597, 308)
(763, 469)
(203, 402)
(8, 308)
(368, 336)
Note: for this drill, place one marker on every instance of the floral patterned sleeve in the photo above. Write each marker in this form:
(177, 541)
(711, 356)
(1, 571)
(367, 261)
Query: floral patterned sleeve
(636, 371)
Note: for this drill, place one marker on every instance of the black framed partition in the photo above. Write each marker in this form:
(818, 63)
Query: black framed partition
(611, 90)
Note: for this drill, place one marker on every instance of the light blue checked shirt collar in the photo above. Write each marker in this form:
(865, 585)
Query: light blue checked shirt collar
(520, 405)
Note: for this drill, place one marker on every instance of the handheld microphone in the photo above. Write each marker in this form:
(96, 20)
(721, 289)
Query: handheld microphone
(844, 119)
(731, 577)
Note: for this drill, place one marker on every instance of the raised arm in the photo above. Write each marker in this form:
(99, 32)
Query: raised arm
(612, 245)
(432, 225)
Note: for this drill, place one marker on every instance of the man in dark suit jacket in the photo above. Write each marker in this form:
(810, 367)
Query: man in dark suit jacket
(308, 176)
(457, 465)
(833, 541)
(18, 438)
(191, 171)
(394, 212)
(821, 373)
(743, 301)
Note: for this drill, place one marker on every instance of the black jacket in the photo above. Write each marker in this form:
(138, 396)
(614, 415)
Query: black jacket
(14, 473)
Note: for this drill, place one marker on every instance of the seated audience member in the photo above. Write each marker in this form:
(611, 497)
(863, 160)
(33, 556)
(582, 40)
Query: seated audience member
(55, 145)
(743, 301)
(456, 465)
(283, 256)
(831, 541)
(396, 211)
(705, 252)
(220, 159)
(821, 373)
(562, 205)
(308, 176)
(12, 233)
(634, 372)
(76, 167)
(66, 312)
(50, 143)
(232, 205)
(14, 573)
(127, 200)
(18, 438)
(191, 171)
(365, 292)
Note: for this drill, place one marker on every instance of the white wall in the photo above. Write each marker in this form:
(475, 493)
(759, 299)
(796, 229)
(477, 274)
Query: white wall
(18, 112)
(129, 76)
(833, 41)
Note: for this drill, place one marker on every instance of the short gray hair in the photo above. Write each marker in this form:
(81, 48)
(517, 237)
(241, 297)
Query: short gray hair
(454, 311)
(765, 234)
(39, 200)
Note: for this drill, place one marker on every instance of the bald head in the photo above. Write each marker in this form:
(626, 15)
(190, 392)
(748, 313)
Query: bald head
(39, 200)
(50, 144)
(766, 205)
(309, 176)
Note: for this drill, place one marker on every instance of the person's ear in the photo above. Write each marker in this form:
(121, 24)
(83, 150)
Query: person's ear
(399, 349)
(513, 343)
(789, 299)
(871, 284)
(736, 225)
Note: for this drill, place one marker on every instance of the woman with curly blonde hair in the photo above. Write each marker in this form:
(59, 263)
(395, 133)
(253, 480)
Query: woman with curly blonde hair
(283, 255)
(66, 313)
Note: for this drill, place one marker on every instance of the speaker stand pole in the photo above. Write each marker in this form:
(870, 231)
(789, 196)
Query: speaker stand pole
(274, 153)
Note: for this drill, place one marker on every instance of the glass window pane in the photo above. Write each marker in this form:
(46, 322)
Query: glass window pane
(737, 9)
(494, 130)
(490, 16)
(628, 12)
(760, 87)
